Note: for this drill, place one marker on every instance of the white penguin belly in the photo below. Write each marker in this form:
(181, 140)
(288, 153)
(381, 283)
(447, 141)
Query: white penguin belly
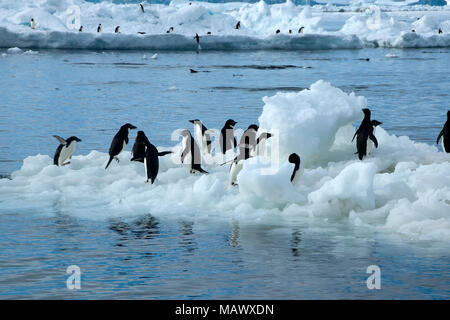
(188, 157)
(66, 153)
(369, 146)
(234, 171)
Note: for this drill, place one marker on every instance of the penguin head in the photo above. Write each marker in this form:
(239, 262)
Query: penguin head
(295, 159)
(253, 126)
(128, 126)
(366, 112)
(73, 138)
(230, 123)
(195, 121)
(140, 134)
(264, 136)
(185, 133)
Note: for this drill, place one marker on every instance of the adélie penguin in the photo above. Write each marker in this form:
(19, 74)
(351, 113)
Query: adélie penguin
(119, 142)
(202, 135)
(364, 133)
(445, 135)
(227, 139)
(191, 149)
(248, 141)
(138, 151)
(65, 150)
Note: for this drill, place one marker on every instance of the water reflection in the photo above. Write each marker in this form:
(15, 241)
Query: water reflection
(234, 237)
(187, 236)
(295, 242)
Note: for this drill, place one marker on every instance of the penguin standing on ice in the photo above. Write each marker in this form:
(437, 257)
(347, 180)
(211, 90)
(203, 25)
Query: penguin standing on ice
(81, 29)
(144, 151)
(119, 142)
(295, 159)
(142, 7)
(65, 150)
(99, 28)
(445, 135)
(116, 30)
(32, 24)
(301, 30)
(238, 25)
(139, 147)
(246, 153)
(203, 137)
(227, 139)
(248, 141)
(190, 147)
(364, 133)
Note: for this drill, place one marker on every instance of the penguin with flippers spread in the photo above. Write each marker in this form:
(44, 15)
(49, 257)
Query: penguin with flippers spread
(364, 133)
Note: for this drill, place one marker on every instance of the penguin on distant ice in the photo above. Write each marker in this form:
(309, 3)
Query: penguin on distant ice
(278, 31)
(227, 139)
(440, 31)
(81, 29)
(139, 147)
(238, 25)
(116, 30)
(445, 135)
(32, 24)
(301, 30)
(190, 148)
(119, 142)
(142, 7)
(364, 133)
(202, 135)
(170, 30)
(99, 28)
(65, 150)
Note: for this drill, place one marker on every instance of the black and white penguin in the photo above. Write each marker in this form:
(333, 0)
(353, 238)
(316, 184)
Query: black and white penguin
(139, 146)
(238, 161)
(248, 141)
(227, 139)
(116, 30)
(32, 24)
(278, 31)
(81, 29)
(119, 142)
(142, 7)
(260, 147)
(191, 150)
(290, 31)
(65, 150)
(170, 30)
(440, 31)
(445, 135)
(295, 159)
(238, 25)
(99, 28)
(202, 135)
(364, 133)
(301, 30)
(197, 39)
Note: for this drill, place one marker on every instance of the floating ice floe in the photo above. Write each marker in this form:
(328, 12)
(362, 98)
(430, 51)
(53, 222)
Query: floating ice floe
(402, 187)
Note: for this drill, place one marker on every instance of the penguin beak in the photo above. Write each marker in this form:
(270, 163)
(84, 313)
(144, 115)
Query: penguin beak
(191, 121)
(79, 140)
(269, 135)
(133, 127)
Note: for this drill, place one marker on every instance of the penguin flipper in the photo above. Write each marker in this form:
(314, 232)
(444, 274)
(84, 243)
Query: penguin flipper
(137, 159)
(374, 139)
(439, 136)
(61, 140)
(109, 162)
(356, 133)
(163, 153)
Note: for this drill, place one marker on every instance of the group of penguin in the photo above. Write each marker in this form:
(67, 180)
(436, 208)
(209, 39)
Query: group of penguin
(249, 146)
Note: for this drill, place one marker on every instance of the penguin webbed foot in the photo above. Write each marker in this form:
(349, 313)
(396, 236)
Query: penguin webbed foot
(65, 164)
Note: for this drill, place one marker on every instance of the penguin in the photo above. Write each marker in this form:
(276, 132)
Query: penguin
(142, 7)
(119, 142)
(238, 161)
(238, 25)
(141, 32)
(202, 135)
(364, 133)
(99, 28)
(65, 150)
(440, 31)
(413, 30)
(260, 144)
(170, 30)
(227, 139)
(116, 30)
(197, 39)
(139, 148)
(190, 147)
(209, 32)
(301, 30)
(278, 31)
(445, 134)
(248, 141)
(290, 31)
(81, 29)
(32, 24)
(193, 71)
(295, 159)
